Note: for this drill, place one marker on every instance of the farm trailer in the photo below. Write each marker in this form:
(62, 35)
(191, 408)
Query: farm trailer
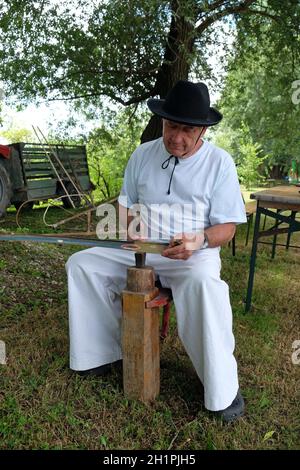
(30, 172)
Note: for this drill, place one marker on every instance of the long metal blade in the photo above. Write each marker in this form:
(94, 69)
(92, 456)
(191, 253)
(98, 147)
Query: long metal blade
(147, 246)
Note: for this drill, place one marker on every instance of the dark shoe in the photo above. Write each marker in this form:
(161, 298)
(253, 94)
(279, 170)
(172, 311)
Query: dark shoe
(101, 370)
(233, 411)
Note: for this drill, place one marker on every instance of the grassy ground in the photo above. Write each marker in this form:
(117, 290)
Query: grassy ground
(43, 405)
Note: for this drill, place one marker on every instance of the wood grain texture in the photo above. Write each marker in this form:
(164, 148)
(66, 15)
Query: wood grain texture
(140, 336)
(140, 280)
(140, 344)
(288, 196)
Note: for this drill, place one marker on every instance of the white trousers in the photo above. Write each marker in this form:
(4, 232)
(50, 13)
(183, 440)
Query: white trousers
(96, 278)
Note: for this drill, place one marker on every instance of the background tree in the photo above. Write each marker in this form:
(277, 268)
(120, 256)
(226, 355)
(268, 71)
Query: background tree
(108, 148)
(18, 134)
(258, 91)
(249, 159)
(126, 50)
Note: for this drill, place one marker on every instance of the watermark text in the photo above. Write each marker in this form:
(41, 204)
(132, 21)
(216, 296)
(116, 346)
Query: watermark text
(296, 92)
(2, 353)
(296, 353)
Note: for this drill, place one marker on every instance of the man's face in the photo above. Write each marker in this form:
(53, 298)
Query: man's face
(181, 140)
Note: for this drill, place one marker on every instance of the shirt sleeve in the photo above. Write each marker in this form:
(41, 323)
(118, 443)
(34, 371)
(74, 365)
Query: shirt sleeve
(128, 194)
(227, 204)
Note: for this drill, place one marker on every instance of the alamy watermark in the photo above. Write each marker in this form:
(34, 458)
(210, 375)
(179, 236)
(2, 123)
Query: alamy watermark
(296, 353)
(2, 353)
(152, 222)
(296, 92)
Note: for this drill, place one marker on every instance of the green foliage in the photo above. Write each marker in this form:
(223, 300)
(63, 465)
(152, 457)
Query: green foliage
(249, 160)
(109, 148)
(246, 153)
(128, 51)
(226, 138)
(259, 88)
(124, 50)
(17, 134)
(109, 145)
(82, 48)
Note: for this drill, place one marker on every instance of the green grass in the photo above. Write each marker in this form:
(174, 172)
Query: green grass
(43, 405)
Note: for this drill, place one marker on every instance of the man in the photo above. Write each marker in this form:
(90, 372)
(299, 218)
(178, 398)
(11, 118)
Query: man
(182, 170)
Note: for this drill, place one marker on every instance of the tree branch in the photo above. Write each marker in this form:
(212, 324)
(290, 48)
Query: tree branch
(70, 98)
(217, 4)
(117, 73)
(132, 100)
(242, 8)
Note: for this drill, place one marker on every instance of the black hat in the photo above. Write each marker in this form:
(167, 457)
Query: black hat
(186, 103)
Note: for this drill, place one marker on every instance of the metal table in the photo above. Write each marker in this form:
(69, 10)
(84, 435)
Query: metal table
(281, 198)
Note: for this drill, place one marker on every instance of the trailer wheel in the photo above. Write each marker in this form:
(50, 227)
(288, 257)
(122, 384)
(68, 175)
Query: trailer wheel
(5, 190)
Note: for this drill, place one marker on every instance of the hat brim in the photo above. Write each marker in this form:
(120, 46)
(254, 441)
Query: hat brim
(156, 106)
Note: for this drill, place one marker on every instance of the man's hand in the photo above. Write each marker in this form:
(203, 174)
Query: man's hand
(183, 245)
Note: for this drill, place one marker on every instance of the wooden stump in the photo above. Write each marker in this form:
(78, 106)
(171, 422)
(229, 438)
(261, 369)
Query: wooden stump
(140, 336)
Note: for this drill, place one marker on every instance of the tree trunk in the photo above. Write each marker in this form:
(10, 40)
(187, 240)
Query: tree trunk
(175, 66)
(278, 172)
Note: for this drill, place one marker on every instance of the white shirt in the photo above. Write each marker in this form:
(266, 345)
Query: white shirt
(204, 189)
